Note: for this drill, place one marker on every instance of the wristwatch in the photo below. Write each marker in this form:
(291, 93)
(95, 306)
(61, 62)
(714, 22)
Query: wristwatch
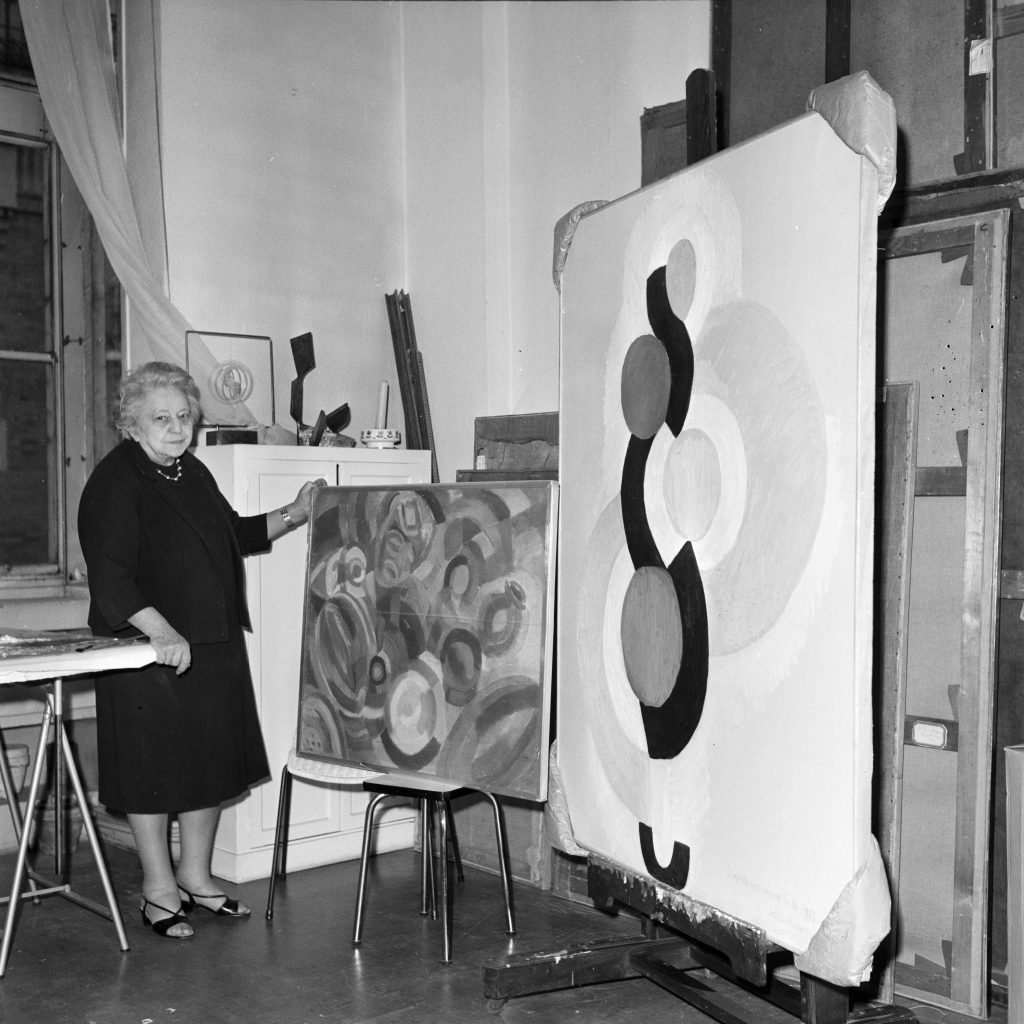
(287, 517)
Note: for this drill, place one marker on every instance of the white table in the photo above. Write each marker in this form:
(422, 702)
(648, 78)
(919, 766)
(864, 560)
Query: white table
(48, 666)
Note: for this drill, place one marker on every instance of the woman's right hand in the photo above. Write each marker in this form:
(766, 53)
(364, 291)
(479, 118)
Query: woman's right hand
(170, 646)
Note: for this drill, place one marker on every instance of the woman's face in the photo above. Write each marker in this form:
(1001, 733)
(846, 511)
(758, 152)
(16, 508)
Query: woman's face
(164, 426)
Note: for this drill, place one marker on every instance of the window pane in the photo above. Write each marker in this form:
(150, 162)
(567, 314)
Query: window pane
(23, 249)
(29, 483)
(28, 478)
(14, 59)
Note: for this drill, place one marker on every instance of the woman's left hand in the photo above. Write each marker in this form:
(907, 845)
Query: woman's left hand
(295, 513)
(303, 503)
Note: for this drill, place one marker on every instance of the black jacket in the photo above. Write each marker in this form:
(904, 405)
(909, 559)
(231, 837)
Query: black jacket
(144, 545)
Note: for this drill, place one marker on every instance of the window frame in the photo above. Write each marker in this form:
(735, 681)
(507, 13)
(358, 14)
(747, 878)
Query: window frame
(23, 122)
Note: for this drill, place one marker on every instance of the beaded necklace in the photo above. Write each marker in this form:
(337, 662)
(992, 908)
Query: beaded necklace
(173, 477)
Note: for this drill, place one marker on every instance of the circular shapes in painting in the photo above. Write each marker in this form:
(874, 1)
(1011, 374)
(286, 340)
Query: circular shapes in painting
(488, 741)
(461, 657)
(354, 569)
(343, 643)
(403, 535)
(681, 277)
(390, 660)
(693, 491)
(699, 482)
(503, 619)
(761, 410)
(652, 642)
(462, 576)
(414, 717)
(663, 628)
(342, 570)
(693, 229)
(405, 610)
(395, 557)
(318, 733)
(607, 703)
(645, 385)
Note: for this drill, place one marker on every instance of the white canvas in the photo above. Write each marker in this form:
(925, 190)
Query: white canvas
(769, 257)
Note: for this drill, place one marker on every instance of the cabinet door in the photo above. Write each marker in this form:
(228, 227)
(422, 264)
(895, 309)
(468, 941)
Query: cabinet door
(355, 470)
(276, 588)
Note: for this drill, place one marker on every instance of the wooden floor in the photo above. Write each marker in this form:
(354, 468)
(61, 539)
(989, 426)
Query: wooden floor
(302, 968)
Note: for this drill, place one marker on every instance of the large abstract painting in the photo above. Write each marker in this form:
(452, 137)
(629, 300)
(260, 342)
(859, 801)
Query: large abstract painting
(427, 632)
(717, 438)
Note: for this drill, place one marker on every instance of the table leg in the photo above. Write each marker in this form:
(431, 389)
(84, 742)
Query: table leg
(94, 840)
(12, 798)
(59, 828)
(13, 807)
(26, 832)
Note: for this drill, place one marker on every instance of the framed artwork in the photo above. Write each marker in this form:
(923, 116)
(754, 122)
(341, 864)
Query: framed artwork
(235, 375)
(427, 633)
(715, 566)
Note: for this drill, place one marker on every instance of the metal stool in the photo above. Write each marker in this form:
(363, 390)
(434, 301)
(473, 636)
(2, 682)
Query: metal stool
(324, 772)
(436, 795)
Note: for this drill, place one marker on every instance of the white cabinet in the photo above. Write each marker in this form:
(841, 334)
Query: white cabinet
(326, 821)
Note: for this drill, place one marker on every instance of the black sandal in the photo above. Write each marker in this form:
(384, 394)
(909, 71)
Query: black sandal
(229, 908)
(165, 924)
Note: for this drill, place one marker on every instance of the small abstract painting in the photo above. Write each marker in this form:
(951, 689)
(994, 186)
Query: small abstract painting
(717, 465)
(427, 633)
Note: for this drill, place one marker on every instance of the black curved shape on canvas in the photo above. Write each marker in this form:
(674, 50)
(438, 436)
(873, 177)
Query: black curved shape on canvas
(431, 500)
(670, 726)
(410, 762)
(639, 539)
(672, 333)
(678, 869)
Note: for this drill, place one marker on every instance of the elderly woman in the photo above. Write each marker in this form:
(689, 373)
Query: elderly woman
(164, 555)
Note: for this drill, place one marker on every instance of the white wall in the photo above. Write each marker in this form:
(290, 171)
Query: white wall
(282, 155)
(582, 74)
(552, 120)
(318, 154)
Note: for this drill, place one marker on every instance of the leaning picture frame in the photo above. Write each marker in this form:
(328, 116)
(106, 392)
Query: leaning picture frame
(235, 376)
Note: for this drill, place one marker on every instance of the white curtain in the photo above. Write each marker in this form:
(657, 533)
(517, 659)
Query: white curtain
(70, 45)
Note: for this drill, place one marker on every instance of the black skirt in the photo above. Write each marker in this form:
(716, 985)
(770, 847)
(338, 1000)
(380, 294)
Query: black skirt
(169, 743)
